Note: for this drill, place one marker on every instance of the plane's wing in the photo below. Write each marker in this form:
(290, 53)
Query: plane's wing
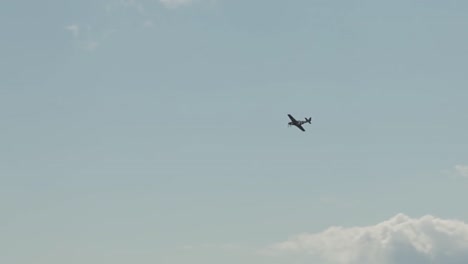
(292, 118)
(300, 127)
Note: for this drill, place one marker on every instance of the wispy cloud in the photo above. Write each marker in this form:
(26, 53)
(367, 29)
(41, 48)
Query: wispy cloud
(399, 240)
(175, 3)
(148, 23)
(91, 45)
(85, 39)
(133, 4)
(137, 13)
(74, 29)
(462, 170)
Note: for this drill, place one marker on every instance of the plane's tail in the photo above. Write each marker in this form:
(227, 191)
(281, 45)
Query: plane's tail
(308, 120)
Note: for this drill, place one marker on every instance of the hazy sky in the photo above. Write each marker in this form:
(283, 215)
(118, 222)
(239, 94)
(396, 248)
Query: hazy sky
(146, 131)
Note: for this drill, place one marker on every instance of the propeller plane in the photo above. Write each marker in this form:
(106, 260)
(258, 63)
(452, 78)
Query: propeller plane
(299, 123)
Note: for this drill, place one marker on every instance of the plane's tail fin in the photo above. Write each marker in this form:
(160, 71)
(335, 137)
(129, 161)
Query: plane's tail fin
(308, 120)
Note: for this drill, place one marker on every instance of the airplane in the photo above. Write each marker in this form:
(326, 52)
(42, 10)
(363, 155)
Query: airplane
(294, 122)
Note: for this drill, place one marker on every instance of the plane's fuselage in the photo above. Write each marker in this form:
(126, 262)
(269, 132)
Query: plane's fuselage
(297, 123)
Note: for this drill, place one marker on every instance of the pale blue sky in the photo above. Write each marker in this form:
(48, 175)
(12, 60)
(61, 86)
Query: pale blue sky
(134, 132)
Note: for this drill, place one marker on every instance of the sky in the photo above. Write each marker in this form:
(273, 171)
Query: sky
(155, 131)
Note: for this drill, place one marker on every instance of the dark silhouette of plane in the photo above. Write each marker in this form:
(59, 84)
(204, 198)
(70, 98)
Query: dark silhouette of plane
(294, 122)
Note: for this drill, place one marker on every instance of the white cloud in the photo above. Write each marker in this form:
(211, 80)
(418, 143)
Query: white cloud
(175, 3)
(74, 29)
(462, 170)
(82, 38)
(148, 23)
(399, 240)
(91, 45)
(133, 4)
(93, 36)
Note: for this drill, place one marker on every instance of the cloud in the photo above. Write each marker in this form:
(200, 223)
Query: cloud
(399, 240)
(148, 23)
(462, 170)
(133, 4)
(74, 29)
(84, 39)
(175, 3)
(122, 15)
(91, 45)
